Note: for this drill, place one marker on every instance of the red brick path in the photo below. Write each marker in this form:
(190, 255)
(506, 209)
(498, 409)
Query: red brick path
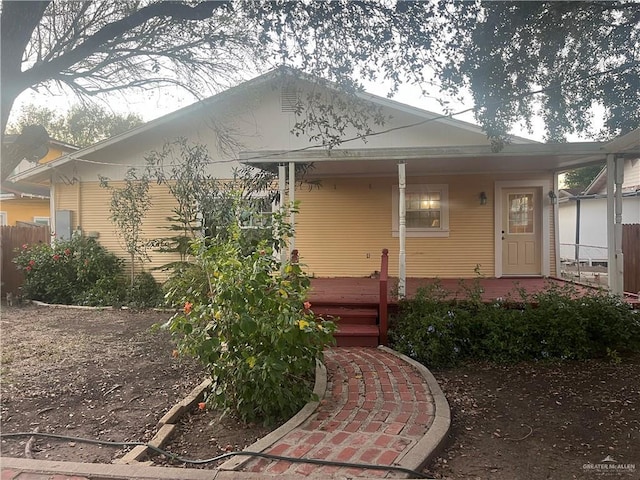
(375, 409)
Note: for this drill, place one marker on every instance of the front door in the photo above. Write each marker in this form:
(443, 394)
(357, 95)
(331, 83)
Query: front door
(521, 231)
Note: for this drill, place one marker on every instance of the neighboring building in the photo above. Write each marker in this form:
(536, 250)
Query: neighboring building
(583, 216)
(25, 203)
(468, 208)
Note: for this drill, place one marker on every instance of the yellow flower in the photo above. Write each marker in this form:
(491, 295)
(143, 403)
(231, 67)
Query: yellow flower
(303, 324)
(251, 361)
(217, 315)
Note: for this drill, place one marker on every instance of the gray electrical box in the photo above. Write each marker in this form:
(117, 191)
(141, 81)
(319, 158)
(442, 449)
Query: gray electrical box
(63, 224)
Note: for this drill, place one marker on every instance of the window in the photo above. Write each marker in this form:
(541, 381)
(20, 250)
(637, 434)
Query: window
(41, 220)
(3, 219)
(521, 213)
(258, 215)
(427, 210)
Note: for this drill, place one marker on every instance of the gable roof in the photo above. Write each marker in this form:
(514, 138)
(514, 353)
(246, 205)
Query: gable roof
(564, 156)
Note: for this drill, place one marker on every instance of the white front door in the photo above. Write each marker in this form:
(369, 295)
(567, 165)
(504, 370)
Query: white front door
(521, 233)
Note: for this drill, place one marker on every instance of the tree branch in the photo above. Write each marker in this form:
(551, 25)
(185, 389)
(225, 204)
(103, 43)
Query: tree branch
(177, 11)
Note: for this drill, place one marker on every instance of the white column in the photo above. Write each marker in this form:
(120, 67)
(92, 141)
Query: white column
(619, 179)
(52, 207)
(282, 184)
(292, 199)
(556, 223)
(402, 231)
(611, 238)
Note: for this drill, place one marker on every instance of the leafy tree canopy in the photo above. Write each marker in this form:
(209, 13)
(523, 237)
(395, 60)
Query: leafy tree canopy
(82, 125)
(555, 59)
(518, 59)
(581, 178)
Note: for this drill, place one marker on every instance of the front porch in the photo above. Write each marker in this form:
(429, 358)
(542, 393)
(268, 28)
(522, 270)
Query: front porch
(358, 304)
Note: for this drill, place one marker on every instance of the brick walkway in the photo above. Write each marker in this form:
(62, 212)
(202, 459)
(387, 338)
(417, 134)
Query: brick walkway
(376, 408)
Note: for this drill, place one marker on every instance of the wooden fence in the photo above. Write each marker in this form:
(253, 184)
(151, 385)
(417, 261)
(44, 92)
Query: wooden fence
(631, 252)
(12, 238)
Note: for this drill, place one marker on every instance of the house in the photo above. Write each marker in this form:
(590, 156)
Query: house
(583, 216)
(430, 188)
(28, 203)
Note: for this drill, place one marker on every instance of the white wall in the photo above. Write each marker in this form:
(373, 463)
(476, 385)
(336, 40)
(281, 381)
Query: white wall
(593, 225)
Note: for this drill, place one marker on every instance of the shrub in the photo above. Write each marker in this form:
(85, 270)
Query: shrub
(76, 271)
(145, 292)
(554, 324)
(252, 329)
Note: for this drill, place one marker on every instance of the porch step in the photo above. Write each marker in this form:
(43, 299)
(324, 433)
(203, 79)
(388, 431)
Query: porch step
(357, 335)
(343, 315)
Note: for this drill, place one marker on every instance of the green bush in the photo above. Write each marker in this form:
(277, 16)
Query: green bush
(145, 292)
(557, 323)
(252, 329)
(76, 271)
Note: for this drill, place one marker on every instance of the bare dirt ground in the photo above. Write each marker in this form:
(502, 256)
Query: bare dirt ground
(102, 374)
(535, 421)
(98, 375)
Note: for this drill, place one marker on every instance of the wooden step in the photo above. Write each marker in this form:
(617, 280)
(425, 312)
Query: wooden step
(357, 335)
(347, 315)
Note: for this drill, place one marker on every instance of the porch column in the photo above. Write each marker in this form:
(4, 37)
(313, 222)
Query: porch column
(614, 188)
(292, 199)
(611, 255)
(402, 231)
(556, 223)
(282, 184)
(619, 179)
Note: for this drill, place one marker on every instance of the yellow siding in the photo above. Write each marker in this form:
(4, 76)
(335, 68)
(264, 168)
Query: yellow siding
(90, 206)
(66, 197)
(343, 226)
(95, 218)
(24, 209)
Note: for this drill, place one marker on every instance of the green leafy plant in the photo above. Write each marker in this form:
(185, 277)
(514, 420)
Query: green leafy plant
(145, 292)
(129, 205)
(251, 327)
(76, 271)
(558, 323)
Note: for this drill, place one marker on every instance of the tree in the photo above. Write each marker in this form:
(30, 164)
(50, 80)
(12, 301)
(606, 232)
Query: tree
(581, 178)
(81, 126)
(129, 205)
(556, 59)
(559, 59)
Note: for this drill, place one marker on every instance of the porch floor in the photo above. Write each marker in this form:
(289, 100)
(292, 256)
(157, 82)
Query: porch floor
(365, 291)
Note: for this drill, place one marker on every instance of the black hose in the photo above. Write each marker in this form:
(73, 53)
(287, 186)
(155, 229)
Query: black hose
(172, 456)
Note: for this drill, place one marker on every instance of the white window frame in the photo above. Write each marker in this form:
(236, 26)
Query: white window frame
(40, 220)
(266, 214)
(437, 232)
(3, 219)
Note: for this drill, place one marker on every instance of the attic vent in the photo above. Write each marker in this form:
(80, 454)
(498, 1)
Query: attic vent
(289, 99)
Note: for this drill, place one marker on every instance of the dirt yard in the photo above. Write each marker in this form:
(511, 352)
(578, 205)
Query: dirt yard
(103, 374)
(93, 374)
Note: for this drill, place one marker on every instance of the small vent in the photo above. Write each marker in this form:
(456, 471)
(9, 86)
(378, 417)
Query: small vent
(289, 99)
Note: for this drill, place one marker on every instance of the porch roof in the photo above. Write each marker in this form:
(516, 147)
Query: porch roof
(442, 160)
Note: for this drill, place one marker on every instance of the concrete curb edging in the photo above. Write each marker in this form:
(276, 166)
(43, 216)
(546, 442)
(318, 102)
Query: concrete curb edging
(305, 412)
(429, 446)
(166, 425)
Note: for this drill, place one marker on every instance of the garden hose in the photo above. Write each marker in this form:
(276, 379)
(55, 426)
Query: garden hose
(172, 456)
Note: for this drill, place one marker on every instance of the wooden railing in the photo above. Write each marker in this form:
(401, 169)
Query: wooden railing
(384, 307)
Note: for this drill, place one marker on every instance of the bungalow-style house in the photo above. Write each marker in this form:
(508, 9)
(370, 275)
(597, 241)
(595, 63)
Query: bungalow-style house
(26, 203)
(429, 188)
